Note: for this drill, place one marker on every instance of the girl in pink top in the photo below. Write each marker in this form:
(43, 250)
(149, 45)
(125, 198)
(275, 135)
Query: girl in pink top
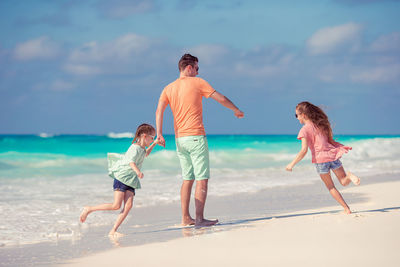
(316, 134)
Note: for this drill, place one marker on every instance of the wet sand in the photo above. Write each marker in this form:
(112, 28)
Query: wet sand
(249, 223)
(313, 237)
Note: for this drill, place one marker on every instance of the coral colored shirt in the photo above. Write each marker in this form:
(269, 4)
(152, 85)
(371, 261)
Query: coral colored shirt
(321, 150)
(185, 96)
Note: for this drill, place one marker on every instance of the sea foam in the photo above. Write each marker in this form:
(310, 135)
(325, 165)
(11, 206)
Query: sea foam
(120, 135)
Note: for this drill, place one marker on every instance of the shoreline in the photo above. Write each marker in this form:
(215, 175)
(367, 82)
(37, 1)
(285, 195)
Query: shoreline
(161, 224)
(322, 236)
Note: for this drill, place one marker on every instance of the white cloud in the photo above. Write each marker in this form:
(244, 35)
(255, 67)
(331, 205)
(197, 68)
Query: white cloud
(60, 85)
(121, 48)
(387, 43)
(262, 62)
(81, 69)
(247, 69)
(331, 39)
(40, 48)
(377, 64)
(95, 58)
(118, 9)
(208, 54)
(379, 74)
(360, 73)
(56, 85)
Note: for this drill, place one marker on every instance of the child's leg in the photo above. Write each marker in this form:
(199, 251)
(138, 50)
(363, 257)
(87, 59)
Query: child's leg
(128, 199)
(118, 197)
(345, 178)
(326, 178)
(341, 175)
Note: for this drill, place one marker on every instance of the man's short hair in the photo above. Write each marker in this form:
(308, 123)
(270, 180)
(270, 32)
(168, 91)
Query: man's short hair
(186, 60)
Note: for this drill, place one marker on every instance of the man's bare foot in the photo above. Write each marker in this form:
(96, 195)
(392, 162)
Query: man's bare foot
(204, 223)
(188, 221)
(353, 178)
(84, 214)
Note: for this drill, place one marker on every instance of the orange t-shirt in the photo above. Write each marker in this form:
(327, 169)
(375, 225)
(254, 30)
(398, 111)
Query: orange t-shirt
(185, 97)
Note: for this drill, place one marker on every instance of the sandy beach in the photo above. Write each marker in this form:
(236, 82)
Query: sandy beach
(313, 237)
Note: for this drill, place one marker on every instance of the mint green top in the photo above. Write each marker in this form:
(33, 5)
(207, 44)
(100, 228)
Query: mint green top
(118, 165)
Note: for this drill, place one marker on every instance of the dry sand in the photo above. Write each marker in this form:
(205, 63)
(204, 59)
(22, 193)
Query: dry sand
(322, 237)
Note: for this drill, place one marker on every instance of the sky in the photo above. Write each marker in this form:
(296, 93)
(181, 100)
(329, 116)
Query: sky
(98, 66)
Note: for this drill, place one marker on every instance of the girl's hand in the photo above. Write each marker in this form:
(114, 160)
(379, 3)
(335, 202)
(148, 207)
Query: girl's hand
(160, 140)
(289, 167)
(157, 142)
(140, 175)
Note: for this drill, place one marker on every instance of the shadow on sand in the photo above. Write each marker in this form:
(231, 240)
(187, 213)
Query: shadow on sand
(193, 230)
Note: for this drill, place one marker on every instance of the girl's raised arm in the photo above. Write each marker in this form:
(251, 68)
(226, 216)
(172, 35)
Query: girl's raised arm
(299, 156)
(150, 148)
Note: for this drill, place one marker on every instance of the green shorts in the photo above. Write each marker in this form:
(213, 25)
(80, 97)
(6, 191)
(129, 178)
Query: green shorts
(193, 156)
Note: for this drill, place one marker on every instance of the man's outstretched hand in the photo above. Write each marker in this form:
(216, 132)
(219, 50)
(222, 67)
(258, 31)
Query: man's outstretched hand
(239, 114)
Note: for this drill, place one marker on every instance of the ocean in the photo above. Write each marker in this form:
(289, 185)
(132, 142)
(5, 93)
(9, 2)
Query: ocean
(45, 180)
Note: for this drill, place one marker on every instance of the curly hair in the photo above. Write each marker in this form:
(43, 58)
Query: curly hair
(318, 117)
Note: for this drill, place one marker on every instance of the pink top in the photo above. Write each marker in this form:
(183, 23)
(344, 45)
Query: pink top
(321, 150)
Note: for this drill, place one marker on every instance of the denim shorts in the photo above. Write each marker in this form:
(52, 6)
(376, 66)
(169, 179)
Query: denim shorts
(118, 186)
(323, 168)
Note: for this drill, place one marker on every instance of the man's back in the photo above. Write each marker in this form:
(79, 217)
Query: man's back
(185, 98)
(184, 95)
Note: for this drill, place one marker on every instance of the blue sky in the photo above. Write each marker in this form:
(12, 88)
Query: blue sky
(98, 66)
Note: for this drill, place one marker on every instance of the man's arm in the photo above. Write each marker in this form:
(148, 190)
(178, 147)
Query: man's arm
(159, 121)
(223, 100)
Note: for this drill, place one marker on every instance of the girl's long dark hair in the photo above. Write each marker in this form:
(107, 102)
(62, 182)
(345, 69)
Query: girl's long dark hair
(318, 117)
(143, 129)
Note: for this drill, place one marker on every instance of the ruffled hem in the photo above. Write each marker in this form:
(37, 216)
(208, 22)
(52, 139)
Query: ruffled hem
(341, 151)
(112, 159)
(331, 155)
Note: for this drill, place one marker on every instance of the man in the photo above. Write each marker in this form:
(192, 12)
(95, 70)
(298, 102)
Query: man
(184, 95)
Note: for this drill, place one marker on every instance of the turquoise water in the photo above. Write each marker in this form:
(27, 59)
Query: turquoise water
(45, 180)
(33, 155)
(97, 146)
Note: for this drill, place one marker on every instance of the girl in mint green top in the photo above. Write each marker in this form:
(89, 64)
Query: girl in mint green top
(125, 169)
(119, 166)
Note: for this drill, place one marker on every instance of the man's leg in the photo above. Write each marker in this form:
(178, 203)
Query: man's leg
(201, 165)
(186, 191)
(188, 179)
(200, 200)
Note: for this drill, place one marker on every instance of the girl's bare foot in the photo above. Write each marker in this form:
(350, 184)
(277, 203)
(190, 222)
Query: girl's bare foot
(353, 178)
(84, 214)
(114, 234)
(204, 223)
(347, 211)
